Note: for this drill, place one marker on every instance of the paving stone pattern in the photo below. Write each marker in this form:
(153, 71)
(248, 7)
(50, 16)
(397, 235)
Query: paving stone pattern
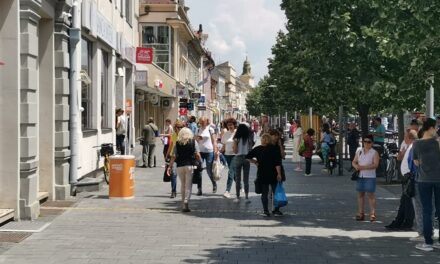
(318, 227)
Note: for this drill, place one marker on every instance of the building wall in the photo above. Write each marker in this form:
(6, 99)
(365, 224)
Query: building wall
(9, 105)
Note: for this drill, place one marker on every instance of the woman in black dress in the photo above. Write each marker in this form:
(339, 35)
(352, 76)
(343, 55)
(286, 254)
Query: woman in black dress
(267, 157)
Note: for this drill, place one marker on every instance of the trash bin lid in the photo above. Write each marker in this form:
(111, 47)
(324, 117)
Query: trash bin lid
(123, 157)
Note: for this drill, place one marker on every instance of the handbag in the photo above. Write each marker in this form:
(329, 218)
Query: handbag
(258, 188)
(409, 185)
(301, 148)
(166, 177)
(217, 168)
(197, 172)
(355, 176)
(279, 198)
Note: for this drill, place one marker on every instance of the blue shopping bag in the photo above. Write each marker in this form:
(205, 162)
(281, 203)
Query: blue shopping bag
(280, 198)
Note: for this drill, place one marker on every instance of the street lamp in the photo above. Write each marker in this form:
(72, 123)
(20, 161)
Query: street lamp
(273, 100)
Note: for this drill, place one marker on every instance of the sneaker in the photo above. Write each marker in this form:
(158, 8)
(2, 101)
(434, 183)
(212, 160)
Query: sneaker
(417, 239)
(214, 189)
(424, 247)
(277, 213)
(308, 175)
(248, 201)
(227, 194)
(237, 200)
(298, 169)
(266, 214)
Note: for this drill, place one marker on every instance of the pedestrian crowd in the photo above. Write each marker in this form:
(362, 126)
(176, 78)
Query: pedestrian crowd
(232, 145)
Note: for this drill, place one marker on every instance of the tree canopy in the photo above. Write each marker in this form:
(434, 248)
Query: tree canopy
(364, 54)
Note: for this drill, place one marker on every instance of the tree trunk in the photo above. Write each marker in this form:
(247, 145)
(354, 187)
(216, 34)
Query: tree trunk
(363, 110)
(400, 126)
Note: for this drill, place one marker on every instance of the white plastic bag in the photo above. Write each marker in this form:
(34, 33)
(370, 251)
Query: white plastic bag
(217, 168)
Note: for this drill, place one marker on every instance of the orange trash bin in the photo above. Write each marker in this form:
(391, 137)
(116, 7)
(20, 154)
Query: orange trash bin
(122, 176)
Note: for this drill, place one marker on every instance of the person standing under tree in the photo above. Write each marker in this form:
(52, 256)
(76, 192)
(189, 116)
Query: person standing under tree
(308, 153)
(297, 137)
(120, 130)
(352, 140)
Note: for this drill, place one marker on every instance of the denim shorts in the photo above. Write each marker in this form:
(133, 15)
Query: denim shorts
(366, 185)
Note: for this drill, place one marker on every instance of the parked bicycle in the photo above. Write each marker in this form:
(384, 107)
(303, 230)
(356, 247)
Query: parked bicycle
(392, 172)
(106, 150)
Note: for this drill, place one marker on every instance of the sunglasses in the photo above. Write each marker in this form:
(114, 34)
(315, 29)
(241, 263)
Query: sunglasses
(368, 141)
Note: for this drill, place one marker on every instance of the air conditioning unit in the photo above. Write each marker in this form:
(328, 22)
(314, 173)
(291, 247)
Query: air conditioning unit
(155, 99)
(167, 103)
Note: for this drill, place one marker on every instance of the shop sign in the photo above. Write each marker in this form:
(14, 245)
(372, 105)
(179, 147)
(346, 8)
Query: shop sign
(196, 95)
(182, 91)
(144, 55)
(201, 107)
(183, 111)
(141, 78)
(190, 106)
(104, 30)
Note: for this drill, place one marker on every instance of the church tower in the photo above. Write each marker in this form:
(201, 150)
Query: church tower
(246, 76)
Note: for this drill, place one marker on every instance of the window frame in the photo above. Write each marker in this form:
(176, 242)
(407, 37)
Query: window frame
(105, 102)
(87, 102)
(162, 49)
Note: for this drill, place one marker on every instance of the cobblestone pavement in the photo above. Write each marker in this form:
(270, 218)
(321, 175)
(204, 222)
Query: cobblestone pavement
(318, 227)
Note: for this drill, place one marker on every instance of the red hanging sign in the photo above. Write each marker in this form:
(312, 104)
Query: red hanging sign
(183, 111)
(144, 55)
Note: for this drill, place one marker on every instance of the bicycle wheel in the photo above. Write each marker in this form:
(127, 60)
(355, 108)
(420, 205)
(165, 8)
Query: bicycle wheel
(391, 170)
(106, 169)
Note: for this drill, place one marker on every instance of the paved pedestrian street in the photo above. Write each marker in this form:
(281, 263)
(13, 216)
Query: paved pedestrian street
(318, 226)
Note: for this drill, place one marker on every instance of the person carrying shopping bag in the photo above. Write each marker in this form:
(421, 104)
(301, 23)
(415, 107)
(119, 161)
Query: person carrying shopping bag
(185, 153)
(267, 157)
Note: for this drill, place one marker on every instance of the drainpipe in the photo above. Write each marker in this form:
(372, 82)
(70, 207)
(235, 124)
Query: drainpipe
(74, 83)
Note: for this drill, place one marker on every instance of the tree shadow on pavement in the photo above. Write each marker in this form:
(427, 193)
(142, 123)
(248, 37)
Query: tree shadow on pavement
(314, 248)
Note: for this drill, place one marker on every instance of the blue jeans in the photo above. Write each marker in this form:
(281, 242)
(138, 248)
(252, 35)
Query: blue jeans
(173, 179)
(238, 162)
(231, 172)
(208, 158)
(325, 149)
(426, 191)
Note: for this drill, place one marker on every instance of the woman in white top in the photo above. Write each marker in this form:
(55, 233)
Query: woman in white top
(366, 162)
(297, 137)
(241, 147)
(227, 150)
(206, 139)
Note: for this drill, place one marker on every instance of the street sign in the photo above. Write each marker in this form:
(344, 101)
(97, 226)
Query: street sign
(201, 107)
(183, 105)
(190, 106)
(144, 55)
(196, 95)
(183, 111)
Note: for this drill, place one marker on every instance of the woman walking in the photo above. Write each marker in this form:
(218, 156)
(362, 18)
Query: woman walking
(297, 137)
(206, 139)
(278, 141)
(227, 149)
(241, 148)
(327, 142)
(267, 157)
(308, 153)
(366, 162)
(426, 155)
(184, 154)
(178, 125)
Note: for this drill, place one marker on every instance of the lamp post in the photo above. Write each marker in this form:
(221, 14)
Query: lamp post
(272, 117)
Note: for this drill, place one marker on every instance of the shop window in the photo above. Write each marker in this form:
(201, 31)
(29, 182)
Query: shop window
(86, 84)
(158, 37)
(105, 98)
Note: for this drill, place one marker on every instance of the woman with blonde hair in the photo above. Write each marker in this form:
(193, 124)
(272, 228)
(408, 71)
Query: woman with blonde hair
(185, 152)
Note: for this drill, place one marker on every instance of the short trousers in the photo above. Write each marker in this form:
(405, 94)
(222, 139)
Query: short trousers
(366, 185)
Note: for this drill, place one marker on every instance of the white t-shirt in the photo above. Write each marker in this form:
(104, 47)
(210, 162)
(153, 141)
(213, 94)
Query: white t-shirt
(205, 143)
(228, 141)
(365, 159)
(403, 146)
(404, 166)
(121, 129)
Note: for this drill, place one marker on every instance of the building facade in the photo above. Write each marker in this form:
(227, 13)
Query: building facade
(37, 38)
(176, 70)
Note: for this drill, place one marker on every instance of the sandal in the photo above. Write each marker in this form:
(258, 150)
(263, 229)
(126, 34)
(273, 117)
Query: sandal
(372, 217)
(360, 217)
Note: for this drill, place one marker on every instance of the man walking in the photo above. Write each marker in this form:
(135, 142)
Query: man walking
(120, 131)
(150, 132)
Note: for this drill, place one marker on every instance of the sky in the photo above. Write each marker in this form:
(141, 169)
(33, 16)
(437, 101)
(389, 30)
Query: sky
(237, 28)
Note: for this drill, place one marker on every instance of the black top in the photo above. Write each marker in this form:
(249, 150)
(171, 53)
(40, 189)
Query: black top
(353, 137)
(185, 154)
(268, 158)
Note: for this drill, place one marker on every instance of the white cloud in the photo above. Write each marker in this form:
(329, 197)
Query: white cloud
(238, 28)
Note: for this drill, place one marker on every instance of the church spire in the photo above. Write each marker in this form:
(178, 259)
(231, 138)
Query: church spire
(246, 67)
